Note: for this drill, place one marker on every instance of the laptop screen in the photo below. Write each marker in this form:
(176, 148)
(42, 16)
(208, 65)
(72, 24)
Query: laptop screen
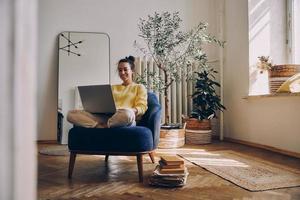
(97, 98)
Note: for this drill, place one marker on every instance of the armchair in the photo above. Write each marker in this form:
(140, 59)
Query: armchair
(129, 141)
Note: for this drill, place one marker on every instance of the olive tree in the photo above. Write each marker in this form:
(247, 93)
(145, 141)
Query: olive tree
(173, 51)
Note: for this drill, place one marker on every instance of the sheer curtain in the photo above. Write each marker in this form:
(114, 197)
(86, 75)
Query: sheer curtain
(18, 58)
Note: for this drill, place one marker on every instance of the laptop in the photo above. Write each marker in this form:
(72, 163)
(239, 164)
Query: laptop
(97, 99)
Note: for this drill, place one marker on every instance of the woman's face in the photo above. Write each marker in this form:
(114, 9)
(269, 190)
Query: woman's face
(125, 72)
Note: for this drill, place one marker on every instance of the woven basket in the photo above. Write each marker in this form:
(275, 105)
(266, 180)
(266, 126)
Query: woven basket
(197, 136)
(283, 71)
(197, 132)
(279, 74)
(276, 82)
(195, 124)
(171, 138)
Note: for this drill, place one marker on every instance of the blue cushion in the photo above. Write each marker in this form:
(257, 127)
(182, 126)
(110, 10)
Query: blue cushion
(122, 139)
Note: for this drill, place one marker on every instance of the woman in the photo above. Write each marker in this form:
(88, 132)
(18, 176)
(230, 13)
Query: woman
(130, 99)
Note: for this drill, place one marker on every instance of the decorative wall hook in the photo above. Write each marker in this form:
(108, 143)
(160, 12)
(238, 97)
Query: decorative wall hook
(70, 44)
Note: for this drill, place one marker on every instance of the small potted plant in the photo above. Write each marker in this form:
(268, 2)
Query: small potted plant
(264, 63)
(206, 102)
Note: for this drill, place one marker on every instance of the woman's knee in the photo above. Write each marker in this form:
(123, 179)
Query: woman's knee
(128, 114)
(123, 117)
(81, 118)
(71, 114)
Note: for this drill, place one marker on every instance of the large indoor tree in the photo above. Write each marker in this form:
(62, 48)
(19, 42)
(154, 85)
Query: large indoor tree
(173, 50)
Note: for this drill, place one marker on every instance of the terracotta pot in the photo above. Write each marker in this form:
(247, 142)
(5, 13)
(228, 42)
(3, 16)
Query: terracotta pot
(195, 124)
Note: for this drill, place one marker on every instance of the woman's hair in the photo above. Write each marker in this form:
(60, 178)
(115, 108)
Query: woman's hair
(130, 60)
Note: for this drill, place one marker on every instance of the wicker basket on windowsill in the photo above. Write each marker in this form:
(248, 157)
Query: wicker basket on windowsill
(279, 74)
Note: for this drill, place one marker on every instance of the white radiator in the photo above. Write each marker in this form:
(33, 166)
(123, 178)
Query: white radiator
(180, 102)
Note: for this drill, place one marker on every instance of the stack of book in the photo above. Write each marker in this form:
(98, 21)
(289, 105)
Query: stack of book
(171, 172)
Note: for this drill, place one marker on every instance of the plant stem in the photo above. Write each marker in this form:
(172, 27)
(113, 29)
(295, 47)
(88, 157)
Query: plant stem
(167, 115)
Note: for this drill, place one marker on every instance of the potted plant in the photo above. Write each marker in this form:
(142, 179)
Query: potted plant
(264, 63)
(173, 51)
(206, 102)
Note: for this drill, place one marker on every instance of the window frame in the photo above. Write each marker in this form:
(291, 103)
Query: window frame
(290, 41)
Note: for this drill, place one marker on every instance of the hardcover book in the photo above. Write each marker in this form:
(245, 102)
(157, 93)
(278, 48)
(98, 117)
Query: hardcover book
(165, 166)
(172, 160)
(179, 170)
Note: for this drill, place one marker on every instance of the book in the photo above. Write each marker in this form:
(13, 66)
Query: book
(157, 173)
(179, 170)
(165, 166)
(172, 160)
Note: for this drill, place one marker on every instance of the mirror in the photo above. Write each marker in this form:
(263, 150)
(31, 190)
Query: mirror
(84, 59)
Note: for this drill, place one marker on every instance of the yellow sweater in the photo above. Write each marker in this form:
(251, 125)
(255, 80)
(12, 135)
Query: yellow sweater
(131, 96)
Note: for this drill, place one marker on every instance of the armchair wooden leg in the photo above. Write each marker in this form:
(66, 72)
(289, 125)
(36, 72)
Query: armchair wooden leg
(71, 164)
(151, 154)
(139, 158)
(106, 157)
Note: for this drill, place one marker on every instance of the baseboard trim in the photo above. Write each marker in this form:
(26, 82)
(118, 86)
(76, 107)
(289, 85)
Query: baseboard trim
(47, 142)
(252, 144)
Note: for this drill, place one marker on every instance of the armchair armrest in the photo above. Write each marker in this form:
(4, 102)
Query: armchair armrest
(152, 118)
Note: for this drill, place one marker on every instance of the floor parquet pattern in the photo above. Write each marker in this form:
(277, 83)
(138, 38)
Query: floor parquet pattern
(118, 179)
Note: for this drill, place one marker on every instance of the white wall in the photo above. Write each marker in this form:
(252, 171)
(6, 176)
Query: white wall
(272, 121)
(118, 18)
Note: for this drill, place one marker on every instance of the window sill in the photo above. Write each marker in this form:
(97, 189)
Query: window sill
(296, 94)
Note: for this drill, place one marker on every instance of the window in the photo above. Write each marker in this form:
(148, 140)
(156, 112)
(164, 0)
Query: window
(274, 31)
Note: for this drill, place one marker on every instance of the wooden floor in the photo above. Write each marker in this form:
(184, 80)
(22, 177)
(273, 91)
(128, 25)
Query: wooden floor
(118, 179)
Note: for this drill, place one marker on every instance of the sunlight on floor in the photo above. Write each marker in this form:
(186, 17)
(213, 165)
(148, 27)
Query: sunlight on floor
(199, 156)
(179, 150)
(217, 162)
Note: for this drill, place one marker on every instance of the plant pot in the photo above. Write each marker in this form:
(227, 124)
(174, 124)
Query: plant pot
(171, 138)
(198, 131)
(195, 124)
(279, 74)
